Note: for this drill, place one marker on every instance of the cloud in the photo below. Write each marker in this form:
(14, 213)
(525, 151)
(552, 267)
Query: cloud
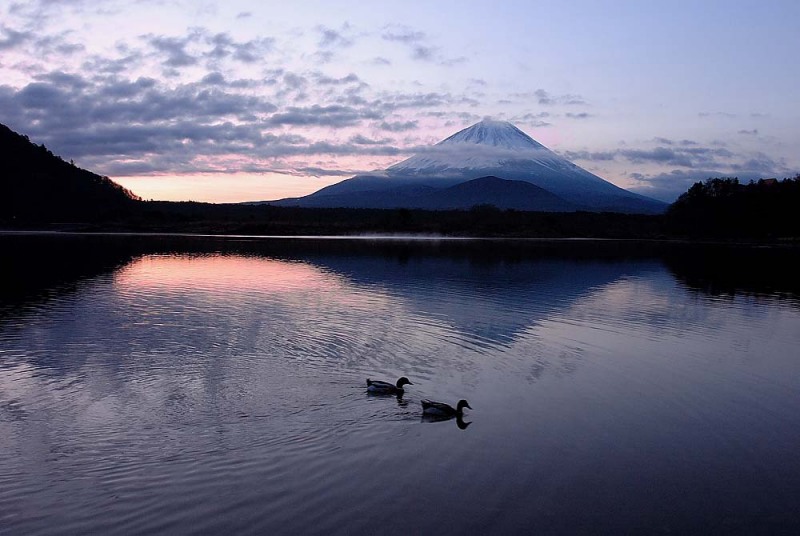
(294, 81)
(331, 116)
(530, 116)
(359, 139)
(684, 154)
(214, 79)
(10, 39)
(322, 172)
(330, 38)
(66, 110)
(125, 63)
(213, 148)
(398, 126)
(424, 53)
(390, 102)
(691, 157)
(60, 78)
(547, 99)
(581, 115)
(668, 186)
(544, 97)
(325, 80)
(418, 45)
(662, 155)
(42, 46)
(403, 34)
(534, 120)
(449, 62)
(224, 46)
(667, 141)
(763, 165)
(174, 50)
(201, 45)
(725, 115)
(599, 156)
(753, 132)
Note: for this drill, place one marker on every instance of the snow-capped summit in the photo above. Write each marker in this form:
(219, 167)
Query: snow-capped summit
(485, 145)
(489, 148)
(496, 134)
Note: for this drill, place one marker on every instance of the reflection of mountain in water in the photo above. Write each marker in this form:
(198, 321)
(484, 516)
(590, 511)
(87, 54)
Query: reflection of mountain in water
(488, 302)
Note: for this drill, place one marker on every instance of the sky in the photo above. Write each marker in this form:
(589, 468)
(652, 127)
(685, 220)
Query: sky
(243, 100)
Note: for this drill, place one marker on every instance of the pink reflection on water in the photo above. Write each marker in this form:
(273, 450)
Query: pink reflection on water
(220, 273)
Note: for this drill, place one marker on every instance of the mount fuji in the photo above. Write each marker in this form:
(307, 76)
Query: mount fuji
(490, 162)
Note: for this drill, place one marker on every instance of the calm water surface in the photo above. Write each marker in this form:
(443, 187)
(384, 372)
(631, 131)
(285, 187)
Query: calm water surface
(220, 387)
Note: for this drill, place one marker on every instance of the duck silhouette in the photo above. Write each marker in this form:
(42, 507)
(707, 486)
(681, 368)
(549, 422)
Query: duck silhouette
(439, 411)
(386, 388)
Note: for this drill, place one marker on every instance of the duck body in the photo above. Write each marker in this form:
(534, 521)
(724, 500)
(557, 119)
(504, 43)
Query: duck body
(386, 388)
(440, 409)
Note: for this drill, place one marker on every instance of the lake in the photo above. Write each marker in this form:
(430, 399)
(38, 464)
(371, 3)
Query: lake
(185, 385)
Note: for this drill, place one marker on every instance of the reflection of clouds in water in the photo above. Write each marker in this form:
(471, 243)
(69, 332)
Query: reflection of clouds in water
(225, 274)
(545, 361)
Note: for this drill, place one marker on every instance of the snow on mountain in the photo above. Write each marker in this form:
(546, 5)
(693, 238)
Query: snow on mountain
(488, 144)
(495, 133)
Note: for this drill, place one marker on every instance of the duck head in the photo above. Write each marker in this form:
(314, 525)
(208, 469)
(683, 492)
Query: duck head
(461, 405)
(403, 381)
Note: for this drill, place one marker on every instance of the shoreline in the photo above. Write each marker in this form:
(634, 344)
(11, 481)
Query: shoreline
(787, 243)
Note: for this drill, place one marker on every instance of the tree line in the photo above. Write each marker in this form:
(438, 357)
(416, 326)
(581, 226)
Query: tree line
(726, 208)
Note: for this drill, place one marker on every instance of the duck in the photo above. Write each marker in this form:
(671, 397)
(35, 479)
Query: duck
(440, 409)
(386, 388)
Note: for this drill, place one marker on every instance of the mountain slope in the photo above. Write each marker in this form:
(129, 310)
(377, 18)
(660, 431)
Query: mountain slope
(36, 185)
(489, 148)
(517, 195)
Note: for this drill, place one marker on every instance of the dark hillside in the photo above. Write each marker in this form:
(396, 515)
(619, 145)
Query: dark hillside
(38, 186)
(514, 195)
(725, 208)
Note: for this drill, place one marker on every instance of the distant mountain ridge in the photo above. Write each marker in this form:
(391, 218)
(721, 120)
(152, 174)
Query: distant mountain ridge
(517, 195)
(485, 149)
(36, 185)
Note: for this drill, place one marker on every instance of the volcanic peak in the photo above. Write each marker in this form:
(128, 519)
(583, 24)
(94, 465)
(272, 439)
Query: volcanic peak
(501, 134)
